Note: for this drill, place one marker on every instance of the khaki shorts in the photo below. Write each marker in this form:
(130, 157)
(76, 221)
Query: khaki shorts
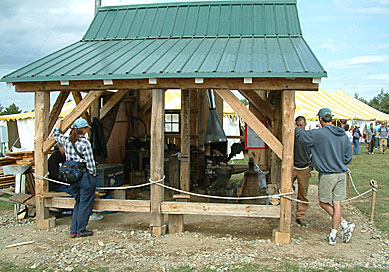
(332, 187)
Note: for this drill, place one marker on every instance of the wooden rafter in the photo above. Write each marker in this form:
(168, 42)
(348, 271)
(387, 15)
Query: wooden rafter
(112, 102)
(56, 110)
(259, 103)
(76, 113)
(78, 98)
(252, 121)
(270, 84)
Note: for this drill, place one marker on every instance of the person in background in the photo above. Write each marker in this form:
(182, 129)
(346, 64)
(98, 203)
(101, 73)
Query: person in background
(331, 152)
(301, 172)
(370, 138)
(377, 140)
(57, 158)
(83, 190)
(348, 133)
(356, 136)
(383, 137)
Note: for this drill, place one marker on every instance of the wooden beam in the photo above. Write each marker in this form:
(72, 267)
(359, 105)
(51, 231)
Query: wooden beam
(270, 84)
(259, 103)
(112, 102)
(288, 106)
(42, 108)
(252, 121)
(245, 210)
(185, 141)
(56, 110)
(275, 162)
(78, 98)
(103, 204)
(219, 107)
(69, 120)
(144, 108)
(157, 159)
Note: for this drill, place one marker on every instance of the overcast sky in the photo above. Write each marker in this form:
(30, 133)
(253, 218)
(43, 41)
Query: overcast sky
(349, 37)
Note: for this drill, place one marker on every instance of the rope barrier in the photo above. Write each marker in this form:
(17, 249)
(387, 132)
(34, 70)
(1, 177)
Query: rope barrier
(173, 189)
(158, 182)
(317, 203)
(224, 197)
(352, 181)
(106, 188)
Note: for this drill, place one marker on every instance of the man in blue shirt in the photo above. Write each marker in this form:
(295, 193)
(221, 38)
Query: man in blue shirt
(331, 152)
(383, 137)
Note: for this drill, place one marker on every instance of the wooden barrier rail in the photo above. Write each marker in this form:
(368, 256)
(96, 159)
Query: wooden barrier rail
(194, 208)
(220, 209)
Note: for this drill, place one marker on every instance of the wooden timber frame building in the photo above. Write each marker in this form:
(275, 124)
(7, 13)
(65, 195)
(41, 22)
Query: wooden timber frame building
(253, 46)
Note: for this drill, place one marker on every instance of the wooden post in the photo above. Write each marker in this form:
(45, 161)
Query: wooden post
(42, 110)
(157, 160)
(374, 185)
(288, 105)
(185, 141)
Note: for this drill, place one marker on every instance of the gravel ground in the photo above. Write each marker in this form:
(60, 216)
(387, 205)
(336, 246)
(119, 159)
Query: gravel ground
(122, 242)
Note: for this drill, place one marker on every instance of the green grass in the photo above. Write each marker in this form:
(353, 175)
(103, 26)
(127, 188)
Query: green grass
(6, 205)
(365, 167)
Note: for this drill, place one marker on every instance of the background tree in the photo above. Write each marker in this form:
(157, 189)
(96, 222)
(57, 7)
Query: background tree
(379, 102)
(11, 109)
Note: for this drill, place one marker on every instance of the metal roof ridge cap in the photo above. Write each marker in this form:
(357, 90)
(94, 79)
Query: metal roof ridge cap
(195, 37)
(194, 3)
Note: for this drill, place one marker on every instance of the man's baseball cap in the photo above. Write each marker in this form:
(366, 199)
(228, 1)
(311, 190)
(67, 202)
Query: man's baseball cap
(80, 123)
(325, 113)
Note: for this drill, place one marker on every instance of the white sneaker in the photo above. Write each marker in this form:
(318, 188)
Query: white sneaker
(347, 232)
(331, 240)
(96, 216)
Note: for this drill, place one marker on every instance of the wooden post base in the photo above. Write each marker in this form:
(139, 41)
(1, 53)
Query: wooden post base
(176, 223)
(158, 231)
(281, 237)
(45, 224)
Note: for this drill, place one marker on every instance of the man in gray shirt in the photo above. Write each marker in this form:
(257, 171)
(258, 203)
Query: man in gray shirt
(331, 152)
(301, 172)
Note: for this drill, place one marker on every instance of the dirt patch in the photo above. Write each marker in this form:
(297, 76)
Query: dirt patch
(122, 241)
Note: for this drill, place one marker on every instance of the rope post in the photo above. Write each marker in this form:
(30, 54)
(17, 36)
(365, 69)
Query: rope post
(374, 185)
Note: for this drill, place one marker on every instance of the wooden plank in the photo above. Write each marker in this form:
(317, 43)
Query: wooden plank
(56, 110)
(244, 210)
(185, 141)
(288, 104)
(42, 107)
(267, 84)
(157, 159)
(112, 102)
(252, 121)
(103, 204)
(78, 98)
(20, 198)
(76, 113)
(258, 103)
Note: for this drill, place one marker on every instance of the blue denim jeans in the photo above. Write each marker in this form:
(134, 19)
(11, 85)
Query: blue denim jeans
(83, 192)
(356, 146)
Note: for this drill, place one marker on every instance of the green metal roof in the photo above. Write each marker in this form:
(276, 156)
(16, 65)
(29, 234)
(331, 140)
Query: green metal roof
(183, 40)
